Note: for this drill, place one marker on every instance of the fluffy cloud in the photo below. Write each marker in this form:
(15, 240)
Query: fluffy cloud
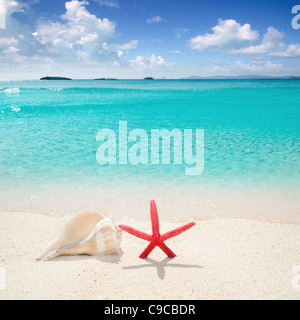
(6, 42)
(218, 69)
(156, 19)
(273, 45)
(258, 65)
(227, 34)
(291, 51)
(128, 46)
(79, 36)
(149, 61)
(2, 15)
(77, 44)
(232, 38)
(180, 32)
(121, 49)
(108, 3)
(177, 52)
(16, 38)
(271, 42)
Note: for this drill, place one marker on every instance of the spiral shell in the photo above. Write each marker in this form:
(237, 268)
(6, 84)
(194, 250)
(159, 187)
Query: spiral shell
(87, 233)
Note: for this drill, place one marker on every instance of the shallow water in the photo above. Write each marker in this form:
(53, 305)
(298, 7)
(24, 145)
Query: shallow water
(252, 128)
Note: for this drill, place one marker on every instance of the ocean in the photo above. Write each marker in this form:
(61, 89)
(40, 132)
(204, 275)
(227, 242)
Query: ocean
(48, 148)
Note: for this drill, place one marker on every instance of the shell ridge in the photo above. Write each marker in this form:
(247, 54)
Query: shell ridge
(104, 238)
(98, 227)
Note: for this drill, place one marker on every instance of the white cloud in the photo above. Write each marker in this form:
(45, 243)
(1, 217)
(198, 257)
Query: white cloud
(258, 65)
(2, 15)
(180, 32)
(82, 36)
(10, 50)
(16, 37)
(231, 37)
(76, 42)
(291, 51)
(149, 61)
(122, 49)
(271, 42)
(128, 46)
(108, 3)
(156, 19)
(273, 45)
(4, 42)
(177, 52)
(227, 34)
(218, 68)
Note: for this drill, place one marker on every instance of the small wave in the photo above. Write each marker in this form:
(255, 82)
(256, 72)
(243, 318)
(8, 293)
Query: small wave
(15, 108)
(55, 89)
(12, 90)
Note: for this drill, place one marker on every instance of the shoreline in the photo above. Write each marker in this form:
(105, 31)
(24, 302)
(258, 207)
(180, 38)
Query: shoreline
(175, 203)
(222, 258)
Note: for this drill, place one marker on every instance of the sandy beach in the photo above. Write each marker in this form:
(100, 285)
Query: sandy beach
(107, 104)
(217, 259)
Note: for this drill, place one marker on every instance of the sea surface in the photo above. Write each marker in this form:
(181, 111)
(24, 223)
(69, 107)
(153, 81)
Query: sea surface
(48, 147)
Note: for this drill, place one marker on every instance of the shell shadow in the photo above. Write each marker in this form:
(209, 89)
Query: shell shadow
(114, 259)
(161, 265)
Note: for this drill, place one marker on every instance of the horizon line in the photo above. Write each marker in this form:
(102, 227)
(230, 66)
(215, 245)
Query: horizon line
(194, 77)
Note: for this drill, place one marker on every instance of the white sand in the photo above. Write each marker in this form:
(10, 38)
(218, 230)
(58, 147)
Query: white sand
(217, 259)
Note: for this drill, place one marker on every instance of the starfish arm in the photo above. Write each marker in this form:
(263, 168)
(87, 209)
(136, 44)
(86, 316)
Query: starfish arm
(177, 231)
(136, 233)
(154, 218)
(167, 250)
(147, 251)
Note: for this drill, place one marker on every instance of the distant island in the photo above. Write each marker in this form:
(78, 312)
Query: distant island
(244, 77)
(55, 78)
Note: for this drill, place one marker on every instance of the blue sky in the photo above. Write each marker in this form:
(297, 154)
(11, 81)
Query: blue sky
(127, 38)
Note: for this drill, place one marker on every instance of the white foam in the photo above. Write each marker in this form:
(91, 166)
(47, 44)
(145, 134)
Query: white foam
(12, 90)
(15, 108)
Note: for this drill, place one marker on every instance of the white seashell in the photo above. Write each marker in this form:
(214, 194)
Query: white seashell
(88, 232)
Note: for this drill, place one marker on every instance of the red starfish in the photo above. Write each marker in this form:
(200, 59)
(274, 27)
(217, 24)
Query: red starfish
(156, 240)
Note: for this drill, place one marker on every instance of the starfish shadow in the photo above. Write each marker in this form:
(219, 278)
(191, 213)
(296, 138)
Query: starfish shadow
(161, 265)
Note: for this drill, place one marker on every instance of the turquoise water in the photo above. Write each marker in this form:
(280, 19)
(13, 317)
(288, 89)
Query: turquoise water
(48, 131)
